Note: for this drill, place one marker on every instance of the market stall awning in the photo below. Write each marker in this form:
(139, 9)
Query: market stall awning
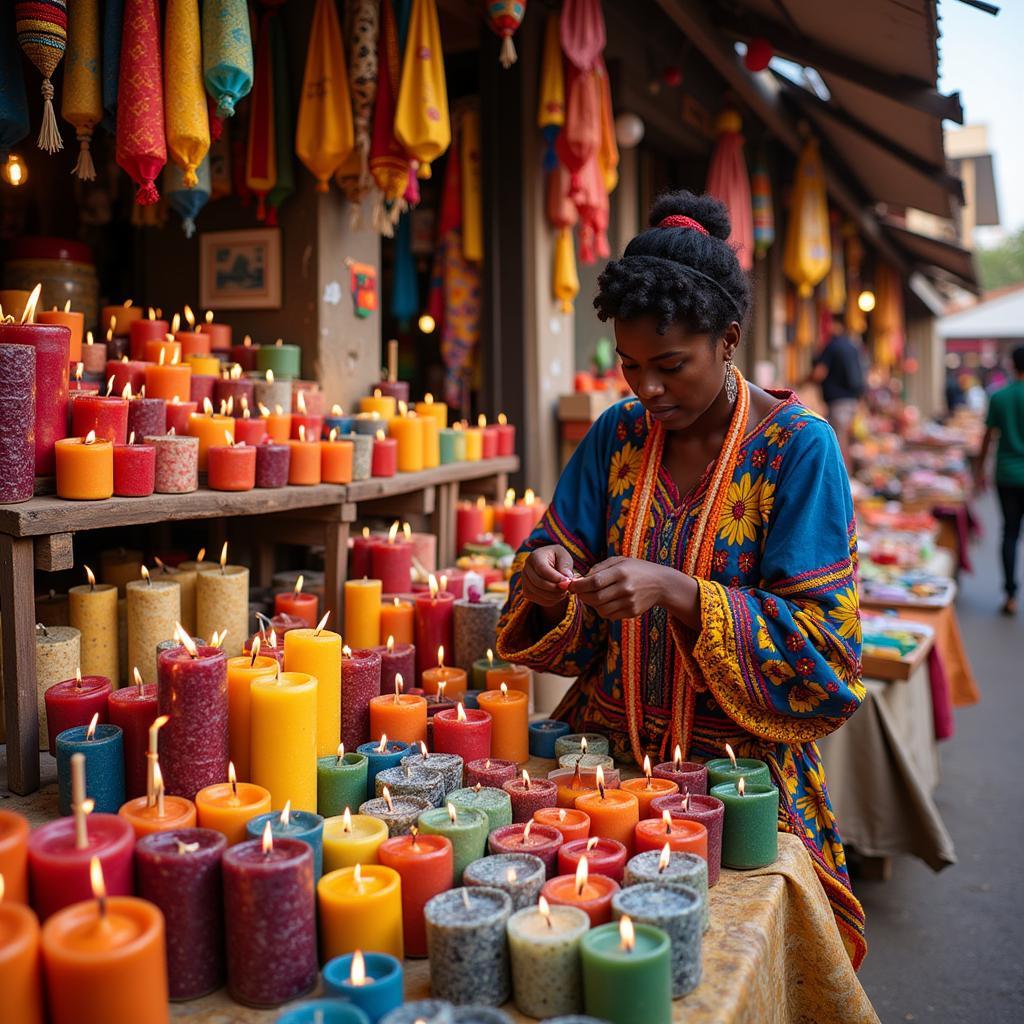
(950, 259)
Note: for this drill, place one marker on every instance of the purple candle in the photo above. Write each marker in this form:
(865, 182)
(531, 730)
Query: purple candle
(489, 771)
(180, 872)
(396, 659)
(272, 462)
(193, 692)
(360, 683)
(396, 389)
(709, 811)
(236, 389)
(147, 417)
(201, 387)
(528, 837)
(271, 921)
(17, 422)
(689, 776)
(529, 795)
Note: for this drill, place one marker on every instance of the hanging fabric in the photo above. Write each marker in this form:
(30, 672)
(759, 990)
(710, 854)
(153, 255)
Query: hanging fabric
(422, 123)
(188, 124)
(551, 104)
(227, 53)
(324, 132)
(504, 17)
(110, 66)
(362, 73)
(472, 187)
(580, 138)
(284, 186)
(591, 201)
(14, 117)
(808, 246)
(187, 200)
(562, 216)
(389, 162)
(888, 322)
(261, 148)
(405, 296)
(762, 208)
(582, 32)
(608, 150)
(43, 34)
(835, 283)
(141, 143)
(856, 321)
(729, 182)
(82, 99)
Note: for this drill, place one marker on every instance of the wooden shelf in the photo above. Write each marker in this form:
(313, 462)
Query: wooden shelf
(452, 473)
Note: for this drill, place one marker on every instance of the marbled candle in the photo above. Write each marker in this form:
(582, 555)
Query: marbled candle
(360, 683)
(521, 875)
(489, 771)
(17, 422)
(572, 744)
(177, 463)
(400, 815)
(545, 959)
(685, 869)
(412, 780)
(449, 766)
(529, 795)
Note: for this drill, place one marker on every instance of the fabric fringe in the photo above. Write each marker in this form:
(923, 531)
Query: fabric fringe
(508, 53)
(49, 135)
(85, 169)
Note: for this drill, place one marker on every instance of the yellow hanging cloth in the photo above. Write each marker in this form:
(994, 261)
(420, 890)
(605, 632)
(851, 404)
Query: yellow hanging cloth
(324, 134)
(472, 189)
(422, 123)
(551, 105)
(608, 152)
(565, 282)
(185, 111)
(82, 103)
(808, 253)
(835, 283)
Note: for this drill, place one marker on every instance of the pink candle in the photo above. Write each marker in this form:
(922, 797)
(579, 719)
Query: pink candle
(689, 776)
(528, 837)
(462, 732)
(489, 771)
(177, 464)
(529, 795)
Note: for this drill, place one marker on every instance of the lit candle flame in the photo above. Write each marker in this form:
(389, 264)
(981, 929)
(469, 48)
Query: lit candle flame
(90, 577)
(336, 410)
(529, 497)
(346, 651)
(526, 780)
(28, 315)
(268, 838)
(339, 756)
(357, 975)
(90, 438)
(223, 556)
(583, 746)
(442, 685)
(270, 376)
(510, 876)
(255, 651)
(332, 435)
(452, 814)
(110, 385)
(137, 675)
(232, 778)
(346, 820)
(207, 405)
(209, 320)
(322, 623)
(357, 877)
(731, 755)
(399, 684)
(677, 758)
(432, 584)
(190, 317)
(582, 872)
(599, 776)
(666, 820)
(526, 832)
(665, 859)
(390, 645)
(393, 532)
(443, 582)
(175, 323)
(545, 910)
(460, 713)
(90, 733)
(144, 573)
(561, 815)
(504, 691)
(502, 419)
(80, 367)
(423, 750)
(236, 372)
(386, 794)
(407, 532)
(741, 786)
(383, 745)
(490, 658)
(99, 886)
(440, 656)
(428, 398)
(592, 843)
(302, 432)
(647, 771)
(627, 934)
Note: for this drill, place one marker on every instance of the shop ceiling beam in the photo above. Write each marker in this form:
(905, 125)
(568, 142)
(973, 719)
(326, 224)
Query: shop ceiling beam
(901, 88)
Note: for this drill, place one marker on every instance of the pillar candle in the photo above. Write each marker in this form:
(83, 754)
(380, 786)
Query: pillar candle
(750, 838)
(169, 381)
(483, 665)
(373, 983)
(516, 677)
(571, 823)
(362, 613)
(647, 790)
(245, 354)
(222, 603)
(494, 803)
(51, 609)
(424, 549)
(351, 839)
(308, 427)
(360, 906)
(58, 655)
(283, 733)
(469, 524)
(273, 462)
(603, 856)
(362, 456)
(201, 387)
(434, 616)
(164, 814)
(529, 795)
(164, 351)
(19, 960)
(284, 360)
(710, 812)
(304, 464)
(119, 319)
(396, 622)
(241, 672)
(94, 355)
(613, 814)
(466, 733)
(412, 780)
(360, 684)
(317, 652)
(731, 769)
(231, 467)
(681, 835)
(211, 430)
(424, 864)
(381, 754)
(506, 436)
(306, 826)
(141, 331)
(251, 431)
(73, 702)
(520, 875)
(517, 525)
(452, 446)
(476, 632)
(336, 461)
(430, 430)
(272, 393)
(383, 405)
(509, 712)
(398, 813)
(627, 980)
(85, 468)
(474, 443)
(126, 373)
(177, 464)
(295, 602)
(73, 321)
(359, 555)
(581, 743)
(438, 410)
(146, 417)
(391, 563)
(234, 391)
(674, 870)
(489, 772)
(17, 422)
(385, 456)
(573, 782)
(133, 709)
(453, 680)
(154, 607)
(466, 829)
(400, 716)
(218, 333)
(689, 776)
(103, 750)
(543, 735)
(270, 913)
(323, 1011)
(134, 470)
(14, 832)
(185, 577)
(592, 895)
(528, 837)
(407, 432)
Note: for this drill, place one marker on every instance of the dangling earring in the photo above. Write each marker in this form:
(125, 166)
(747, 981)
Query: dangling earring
(731, 387)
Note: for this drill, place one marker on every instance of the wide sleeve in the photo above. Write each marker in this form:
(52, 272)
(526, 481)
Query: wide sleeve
(783, 658)
(576, 519)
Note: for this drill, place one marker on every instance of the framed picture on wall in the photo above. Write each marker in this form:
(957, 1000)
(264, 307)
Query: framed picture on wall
(240, 269)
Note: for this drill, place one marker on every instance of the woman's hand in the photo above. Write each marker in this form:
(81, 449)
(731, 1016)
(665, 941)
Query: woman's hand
(546, 576)
(625, 588)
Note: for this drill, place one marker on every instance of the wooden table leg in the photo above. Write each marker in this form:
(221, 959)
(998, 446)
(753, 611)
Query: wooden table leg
(17, 611)
(444, 523)
(335, 571)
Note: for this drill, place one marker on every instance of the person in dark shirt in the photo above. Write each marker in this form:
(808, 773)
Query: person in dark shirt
(839, 370)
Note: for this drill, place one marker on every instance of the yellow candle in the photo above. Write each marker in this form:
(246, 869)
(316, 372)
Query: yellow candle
(431, 441)
(283, 733)
(92, 610)
(408, 432)
(317, 652)
(222, 603)
(241, 673)
(362, 613)
(185, 577)
(360, 908)
(205, 366)
(351, 839)
(210, 430)
(439, 410)
(154, 607)
(384, 405)
(474, 444)
(228, 806)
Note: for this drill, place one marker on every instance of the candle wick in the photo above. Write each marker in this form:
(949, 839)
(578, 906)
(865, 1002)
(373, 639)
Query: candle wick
(102, 900)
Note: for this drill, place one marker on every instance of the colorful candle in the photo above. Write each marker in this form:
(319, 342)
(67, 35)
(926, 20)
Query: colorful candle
(362, 613)
(509, 710)
(452, 444)
(134, 469)
(372, 982)
(710, 812)
(732, 768)
(462, 732)
(384, 462)
(360, 685)
(340, 781)
(466, 829)
(384, 406)
(14, 857)
(304, 464)
(283, 729)
(396, 657)
(85, 468)
(143, 330)
(58, 655)
(614, 813)
(177, 464)
(133, 709)
(336, 457)
(153, 609)
(398, 813)
(159, 812)
(540, 840)
(489, 772)
(571, 823)
(412, 780)
(73, 702)
(529, 795)
(648, 789)
(305, 826)
(317, 652)
(521, 875)
(251, 431)
(593, 895)
(227, 807)
(231, 467)
(273, 462)
(689, 776)
(673, 869)
(241, 672)
(222, 605)
(683, 836)
(19, 960)
(543, 735)
(495, 803)
(574, 782)
(360, 906)
(603, 856)
(102, 749)
(351, 839)
(284, 360)
(17, 422)
(469, 524)
(391, 563)
(750, 838)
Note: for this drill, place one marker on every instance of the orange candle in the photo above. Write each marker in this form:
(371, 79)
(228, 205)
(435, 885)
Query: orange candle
(19, 962)
(399, 716)
(242, 672)
(407, 431)
(193, 344)
(336, 460)
(14, 856)
(279, 424)
(454, 680)
(74, 322)
(169, 381)
(648, 789)
(210, 429)
(591, 893)
(119, 319)
(85, 468)
(158, 813)
(573, 824)
(163, 350)
(575, 782)
(614, 813)
(106, 960)
(305, 461)
(396, 621)
(431, 428)
(518, 677)
(231, 467)
(509, 711)
(227, 807)
(682, 836)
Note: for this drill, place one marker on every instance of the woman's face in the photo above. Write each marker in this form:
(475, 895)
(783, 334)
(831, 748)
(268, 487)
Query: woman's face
(676, 375)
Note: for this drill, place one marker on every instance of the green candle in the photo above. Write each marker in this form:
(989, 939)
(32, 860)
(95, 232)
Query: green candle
(750, 837)
(495, 803)
(627, 973)
(284, 360)
(484, 665)
(467, 830)
(453, 445)
(340, 783)
(733, 768)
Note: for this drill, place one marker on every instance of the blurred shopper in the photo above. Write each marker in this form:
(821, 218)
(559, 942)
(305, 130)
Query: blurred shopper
(839, 370)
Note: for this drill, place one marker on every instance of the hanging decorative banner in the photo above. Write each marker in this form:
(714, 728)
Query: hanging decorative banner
(580, 138)
(110, 68)
(188, 124)
(582, 32)
(14, 118)
(504, 17)
(227, 52)
(591, 201)
(141, 144)
(82, 99)
(762, 208)
(551, 105)
(389, 162)
(284, 186)
(261, 149)
(562, 216)
(729, 182)
(42, 29)
(324, 135)
(472, 187)
(835, 283)
(808, 246)
(608, 150)
(362, 76)
(405, 292)
(422, 122)
(187, 200)
(362, 279)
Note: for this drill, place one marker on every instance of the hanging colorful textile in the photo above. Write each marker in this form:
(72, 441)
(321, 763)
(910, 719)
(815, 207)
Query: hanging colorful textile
(187, 200)
(835, 283)
(261, 150)
(808, 246)
(551, 105)
(362, 75)
(580, 138)
(389, 162)
(728, 181)
(561, 214)
(591, 201)
(762, 208)
(141, 144)
(283, 131)
(82, 100)
(887, 322)
(608, 151)
(113, 17)
(324, 134)
(855, 320)
(422, 123)
(227, 52)
(582, 32)
(405, 292)
(42, 27)
(188, 124)
(472, 187)
(14, 117)
(504, 17)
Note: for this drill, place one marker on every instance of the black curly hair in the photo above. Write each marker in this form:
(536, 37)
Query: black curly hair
(678, 274)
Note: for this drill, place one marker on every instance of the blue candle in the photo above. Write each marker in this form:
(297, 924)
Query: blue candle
(390, 757)
(543, 735)
(303, 825)
(469, 699)
(104, 766)
(381, 991)
(342, 424)
(331, 1011)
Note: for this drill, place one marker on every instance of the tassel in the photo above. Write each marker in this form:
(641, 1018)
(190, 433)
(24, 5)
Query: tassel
(226, 106)
(191, 179)
(85, 169)
(49, 137)
(147, 194)
(189, 226)
(508, 53)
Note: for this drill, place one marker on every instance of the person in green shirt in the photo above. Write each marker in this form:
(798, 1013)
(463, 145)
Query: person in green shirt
(1006, 420)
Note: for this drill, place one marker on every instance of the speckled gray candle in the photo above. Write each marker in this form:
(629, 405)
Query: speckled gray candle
(545, 957)
(677, 911)
(412, 780)
(589, 760)
(429, 1011)
(467, 945)
(596, 743)
(476, 624)
(683, 869)
(495, 803)
(479, 1015)
(402, 814)
(449, 765)
(362, 455)
(521, 875)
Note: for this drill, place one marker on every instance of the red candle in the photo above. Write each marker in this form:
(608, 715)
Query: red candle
(529, 795)
(488, 439)
(517, 525)
(129, 373)
(360, 683)
(490, 771)
(571, 823)
(107, 416)
(592, 894)
(314, 425)
(395, 659)
(469, 524)
(236, 389)
(147, 417)
(74, 702)
(17, 422)
(134, 470)
(359, 556)
(231, 467)
(682, 836)
(424, 864)
(391, 563)
(251, 431)
(506, 436)
(134, 708)
(604, 857)
(434, 615)
(141, 331)
(385, 456)
(201, 387)
(295, 602)
(59, 869)
(220, 334)
(245, 354)
(528, 837)
(178, 414)
(462, 732)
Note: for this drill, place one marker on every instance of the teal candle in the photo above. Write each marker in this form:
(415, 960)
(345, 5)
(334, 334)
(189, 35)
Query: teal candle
(340, 783)
(104, 766)
(480, 669)
(573, 744)
(543, 735)
(721, 770)
(378, 995)
(341, 423)
(750, 836)
(467, 830)
(624, 985)
(284, 360)
(495, 803)
(381, 756)
(453, 445)
(323, 1011)
(302, 825)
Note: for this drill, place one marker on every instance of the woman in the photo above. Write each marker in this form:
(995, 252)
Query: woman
(695, 568)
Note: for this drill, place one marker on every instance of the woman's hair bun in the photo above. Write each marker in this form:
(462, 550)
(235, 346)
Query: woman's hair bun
(707, 211)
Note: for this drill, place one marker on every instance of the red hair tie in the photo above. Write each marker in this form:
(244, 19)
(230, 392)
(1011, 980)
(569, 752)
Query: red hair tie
(678, 220)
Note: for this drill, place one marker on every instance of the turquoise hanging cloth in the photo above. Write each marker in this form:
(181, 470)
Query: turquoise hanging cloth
(14, 121)
(405, 296)
(184, 201)
(113, 18)
(284, 129)
(227, 53)
(403, 11)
